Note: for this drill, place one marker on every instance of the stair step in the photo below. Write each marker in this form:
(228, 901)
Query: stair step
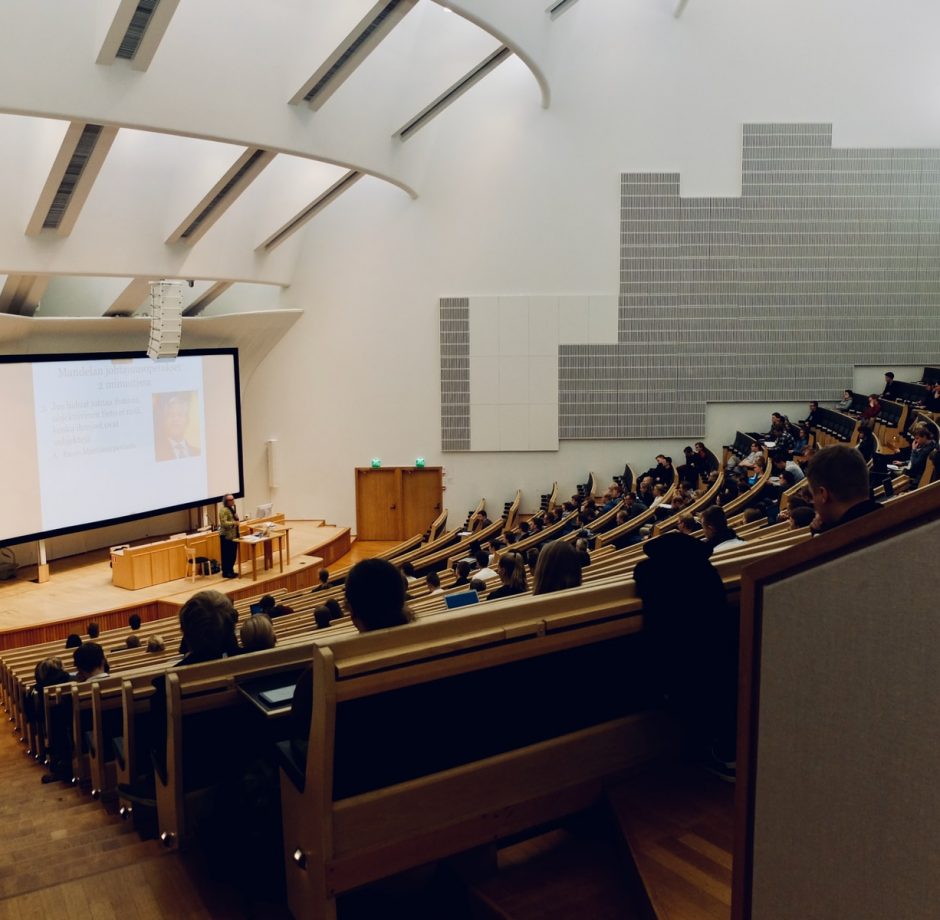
(103, 857)
(556, 876)
(679, 825)
(77, 843)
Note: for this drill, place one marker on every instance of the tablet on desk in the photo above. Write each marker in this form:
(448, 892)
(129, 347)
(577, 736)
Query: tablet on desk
(277, 696)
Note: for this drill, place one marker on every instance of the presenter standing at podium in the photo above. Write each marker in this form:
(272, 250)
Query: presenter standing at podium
(228, 534)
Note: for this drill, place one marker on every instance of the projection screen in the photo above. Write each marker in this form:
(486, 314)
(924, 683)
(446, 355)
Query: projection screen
(98, 439)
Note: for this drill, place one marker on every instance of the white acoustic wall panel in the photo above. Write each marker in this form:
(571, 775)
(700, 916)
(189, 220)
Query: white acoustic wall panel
(513, 363)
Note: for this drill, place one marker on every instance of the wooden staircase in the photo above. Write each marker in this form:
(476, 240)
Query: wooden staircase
(679, 825)
(63, 855)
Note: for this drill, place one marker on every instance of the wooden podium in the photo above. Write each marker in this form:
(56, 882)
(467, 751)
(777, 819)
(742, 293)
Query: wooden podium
(156, 563)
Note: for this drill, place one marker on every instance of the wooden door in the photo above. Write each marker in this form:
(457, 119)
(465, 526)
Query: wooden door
(378, 504)
(421, 496)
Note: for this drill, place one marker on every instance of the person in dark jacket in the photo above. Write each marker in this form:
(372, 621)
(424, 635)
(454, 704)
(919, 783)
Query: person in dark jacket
(691, 635)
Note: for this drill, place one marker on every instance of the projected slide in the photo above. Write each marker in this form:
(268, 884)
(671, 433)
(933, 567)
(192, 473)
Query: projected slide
(94, 440)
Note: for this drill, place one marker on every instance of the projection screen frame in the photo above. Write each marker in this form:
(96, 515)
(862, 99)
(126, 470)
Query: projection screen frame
(153, 512)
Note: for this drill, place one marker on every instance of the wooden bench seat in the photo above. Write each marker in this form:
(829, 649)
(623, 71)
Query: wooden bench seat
(537, 754)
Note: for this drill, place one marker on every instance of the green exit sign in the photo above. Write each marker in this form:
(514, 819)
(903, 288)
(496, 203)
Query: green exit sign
(419, 462)
(376, 463)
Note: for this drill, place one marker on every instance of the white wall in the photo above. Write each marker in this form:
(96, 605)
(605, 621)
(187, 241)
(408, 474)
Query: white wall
(520, 200)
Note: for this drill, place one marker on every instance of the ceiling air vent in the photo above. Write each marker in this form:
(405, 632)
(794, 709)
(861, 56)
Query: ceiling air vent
(558, 7)
(352, 51)
(317, 205)
(77, 164)
(135, 31)
(454, 92)
(73, 172)
(222, 195)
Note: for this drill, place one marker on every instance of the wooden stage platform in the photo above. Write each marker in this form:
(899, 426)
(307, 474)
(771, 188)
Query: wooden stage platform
(79, 589)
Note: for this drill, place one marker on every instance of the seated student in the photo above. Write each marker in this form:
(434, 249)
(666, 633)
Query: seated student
(802, 438)
(207, 621)
(659, 495)
(433, 581)
(846, 401)
(921, 448)
(479, 522)
(932, 399)
(321, 616)
(74, 640)
(632, 506)
(873, 409)
(718, 535)
(375, 594)
(838, 478)
(691, 636)
(662, 472)
(532, 558)
(90, 663)
(729, 491)
(478, 585)
(866, 444)
(323, 578)
(581, 546)
(753, 514)
(558, 568)
(781, 462)
(801, 516)
(257, 634)
(58, 757)
(134, 621)
(681, 497)
(155, 645)
(688, 472)
(612, 497)
(780, 434)
(335, 608)
(646, 491)
(484, 571)
(752, 459)
(886, 393)
(705, 461)
(511, 576)
(688, 525)
(93, 630)
(463, 573)
(132, 641)
(408, 570)
(811, 415)
(47, 673)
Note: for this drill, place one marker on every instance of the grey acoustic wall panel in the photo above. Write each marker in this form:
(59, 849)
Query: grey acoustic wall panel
(455, 373)
(829, 259)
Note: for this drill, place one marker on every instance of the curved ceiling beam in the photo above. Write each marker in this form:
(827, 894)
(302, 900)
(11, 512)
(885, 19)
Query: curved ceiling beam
(205, 136)
(486, 15)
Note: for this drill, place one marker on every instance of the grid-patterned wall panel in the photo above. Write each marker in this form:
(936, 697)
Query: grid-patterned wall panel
(829, 259)
(455, 373)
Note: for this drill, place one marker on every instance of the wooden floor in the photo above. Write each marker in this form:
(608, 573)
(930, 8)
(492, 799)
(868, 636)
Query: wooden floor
(679, 824)
(63, 856)
(571, 872)
(81, 585)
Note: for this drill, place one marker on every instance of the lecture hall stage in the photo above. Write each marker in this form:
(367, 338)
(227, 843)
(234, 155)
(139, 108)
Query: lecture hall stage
(79, 589)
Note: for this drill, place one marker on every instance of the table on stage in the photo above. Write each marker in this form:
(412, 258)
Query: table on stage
(265, 540)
